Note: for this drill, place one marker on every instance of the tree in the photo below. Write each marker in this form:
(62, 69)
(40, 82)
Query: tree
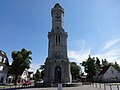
(89, 67)
(98, 62)
(104, 62)
(37, 75)
(42, 68)
(21, 61)
(75, 70)
(116, 66)
(98, 65)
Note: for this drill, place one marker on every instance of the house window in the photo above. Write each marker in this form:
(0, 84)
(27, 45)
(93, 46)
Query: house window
(4, 60)
(112, 71)
(0, 58)
(1, 79)
(1, 68)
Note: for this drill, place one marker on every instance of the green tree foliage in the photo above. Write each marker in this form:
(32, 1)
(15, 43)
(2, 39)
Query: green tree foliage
(98, 65)
(117, 66)
(93, 66)
(98, 62)
(21, 61)
(104, 62)
(89, 67)
(75, 70)
(42, 68)
(37, 75)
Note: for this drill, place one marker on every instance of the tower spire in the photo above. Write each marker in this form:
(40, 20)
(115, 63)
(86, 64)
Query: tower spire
(57, 14)
(57, 5)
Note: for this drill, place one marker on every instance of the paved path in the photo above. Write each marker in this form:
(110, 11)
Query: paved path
(86, 87)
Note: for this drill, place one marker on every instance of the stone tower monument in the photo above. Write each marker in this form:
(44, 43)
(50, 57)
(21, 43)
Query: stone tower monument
(57, 66)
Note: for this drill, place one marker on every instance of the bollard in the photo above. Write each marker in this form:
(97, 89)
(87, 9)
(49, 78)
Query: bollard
(117, 87)
(82, 83)
(96, 85)
(110, 87)
(59, 87)
(104, 87)
(100, 85)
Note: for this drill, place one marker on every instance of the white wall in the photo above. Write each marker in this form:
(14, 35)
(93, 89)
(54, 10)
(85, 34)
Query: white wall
(111, 75)
(3, 75)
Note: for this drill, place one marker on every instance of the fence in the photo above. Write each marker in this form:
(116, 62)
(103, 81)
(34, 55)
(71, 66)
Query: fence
(106, 86)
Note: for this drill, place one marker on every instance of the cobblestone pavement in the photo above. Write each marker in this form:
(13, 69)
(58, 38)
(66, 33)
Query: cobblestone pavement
(86, 87)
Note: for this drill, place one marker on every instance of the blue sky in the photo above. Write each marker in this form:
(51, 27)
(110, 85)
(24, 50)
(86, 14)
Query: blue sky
(93, 27)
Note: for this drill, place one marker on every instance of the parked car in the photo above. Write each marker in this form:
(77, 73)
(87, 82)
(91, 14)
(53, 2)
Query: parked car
(25, 83)
(40, 81)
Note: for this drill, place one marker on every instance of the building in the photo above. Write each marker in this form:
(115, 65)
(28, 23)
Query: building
(57, 65)
(108, 74)
(26, 75)
(4, 66)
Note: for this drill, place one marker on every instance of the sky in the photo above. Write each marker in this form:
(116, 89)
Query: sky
(93, 28)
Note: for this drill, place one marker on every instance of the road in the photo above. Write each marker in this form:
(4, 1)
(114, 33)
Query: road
(86, 87)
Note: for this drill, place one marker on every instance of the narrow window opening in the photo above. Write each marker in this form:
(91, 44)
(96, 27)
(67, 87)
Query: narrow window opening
(56, 39)
(59, 39)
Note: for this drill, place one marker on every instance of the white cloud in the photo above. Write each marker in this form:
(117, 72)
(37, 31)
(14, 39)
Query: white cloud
(78, 56)
(111, 52)
(110, 43)
(34, 67)
(81, 53)
(111, 55)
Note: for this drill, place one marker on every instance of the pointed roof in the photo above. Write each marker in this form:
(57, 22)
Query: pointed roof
(3, 58)
(57, 5)
(104, 70)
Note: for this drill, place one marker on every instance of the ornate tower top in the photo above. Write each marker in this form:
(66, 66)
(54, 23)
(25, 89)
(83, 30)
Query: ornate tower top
(57, 6)
(57, 14)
